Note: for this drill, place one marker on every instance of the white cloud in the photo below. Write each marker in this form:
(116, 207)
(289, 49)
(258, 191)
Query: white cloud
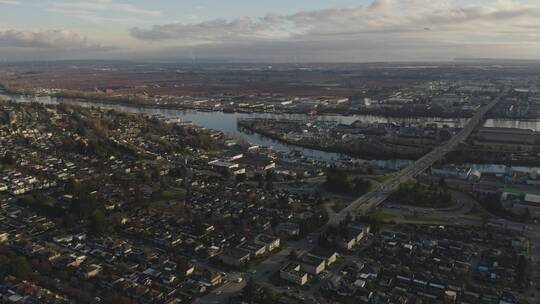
(99, 11)
(434, 27)
(380, 30)
(10, 2)
(102, 6)
(50, 39)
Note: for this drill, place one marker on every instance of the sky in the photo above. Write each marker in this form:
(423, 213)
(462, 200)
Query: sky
(269, 31)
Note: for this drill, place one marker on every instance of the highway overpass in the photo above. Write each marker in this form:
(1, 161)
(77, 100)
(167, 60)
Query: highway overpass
(375, 197)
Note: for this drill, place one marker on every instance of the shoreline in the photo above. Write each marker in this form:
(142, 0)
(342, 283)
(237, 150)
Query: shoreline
(332, 149)
(401, 113)
(379, 155)
(396, 113)
(376, 112)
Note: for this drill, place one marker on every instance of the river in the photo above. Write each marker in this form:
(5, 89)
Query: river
(227, 122)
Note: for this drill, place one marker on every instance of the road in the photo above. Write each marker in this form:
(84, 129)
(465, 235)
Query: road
(374, 198)
(534, 290)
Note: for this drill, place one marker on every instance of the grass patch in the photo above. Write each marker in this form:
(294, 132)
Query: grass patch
(423, 195)
(338, 206)
(380, 216)
(38, 200)
(169, 194)
(520, 191)
(418, 218)
(477, 214)
(381, 178)
(254, 262)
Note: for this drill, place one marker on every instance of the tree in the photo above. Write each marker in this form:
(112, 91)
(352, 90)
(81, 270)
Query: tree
(348, 218)
(293, 255)
(338, 181)
(9, 159)
(260, 180)
(83, 206)
(521, 271)
(240, 178)
(269, 175)
(98, 223)
(361, 185)
(182, 265)
(20, 268)
(269, 185)
(250, 291)
(442, 182)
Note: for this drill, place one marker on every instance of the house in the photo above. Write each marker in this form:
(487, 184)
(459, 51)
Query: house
(355, 234)
(76, 261)
(271, 242)
(452, 171)
(4, 236)
(50, 254)
(255, 249)
(288, 229)
(359, 231)
(346, 243)
(226, 167)
(213, 278)
(188, 270)
(312, 265)
(330, 256)
(90, 271)
(294, 274)
(235, 257)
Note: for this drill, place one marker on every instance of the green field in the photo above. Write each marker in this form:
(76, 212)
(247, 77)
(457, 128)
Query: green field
(169, 194)
(380, 215)
(520, 191)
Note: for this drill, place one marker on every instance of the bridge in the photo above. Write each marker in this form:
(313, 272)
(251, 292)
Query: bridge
(375, 197)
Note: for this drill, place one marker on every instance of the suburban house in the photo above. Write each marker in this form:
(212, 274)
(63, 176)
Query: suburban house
(235, 257)
(294, 274)
(312, 265)
(330, 256)
(271, 242)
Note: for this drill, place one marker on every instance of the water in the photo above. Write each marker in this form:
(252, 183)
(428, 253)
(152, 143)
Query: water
(227, 122)
(503, 169)
(514, 123)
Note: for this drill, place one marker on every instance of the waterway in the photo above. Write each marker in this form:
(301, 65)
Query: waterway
(227, 122)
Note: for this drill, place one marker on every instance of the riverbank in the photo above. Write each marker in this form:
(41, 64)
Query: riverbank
(228, 123)
(364, 149)
(171, 104)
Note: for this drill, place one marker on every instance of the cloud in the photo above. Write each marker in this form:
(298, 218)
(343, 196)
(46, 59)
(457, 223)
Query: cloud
(379, 30)
(215, 30)
(432, 26)
(78, 7)
(99, 11)
(50, 39)
(10, 2)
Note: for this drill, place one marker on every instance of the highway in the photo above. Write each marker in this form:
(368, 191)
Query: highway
(374, 198)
